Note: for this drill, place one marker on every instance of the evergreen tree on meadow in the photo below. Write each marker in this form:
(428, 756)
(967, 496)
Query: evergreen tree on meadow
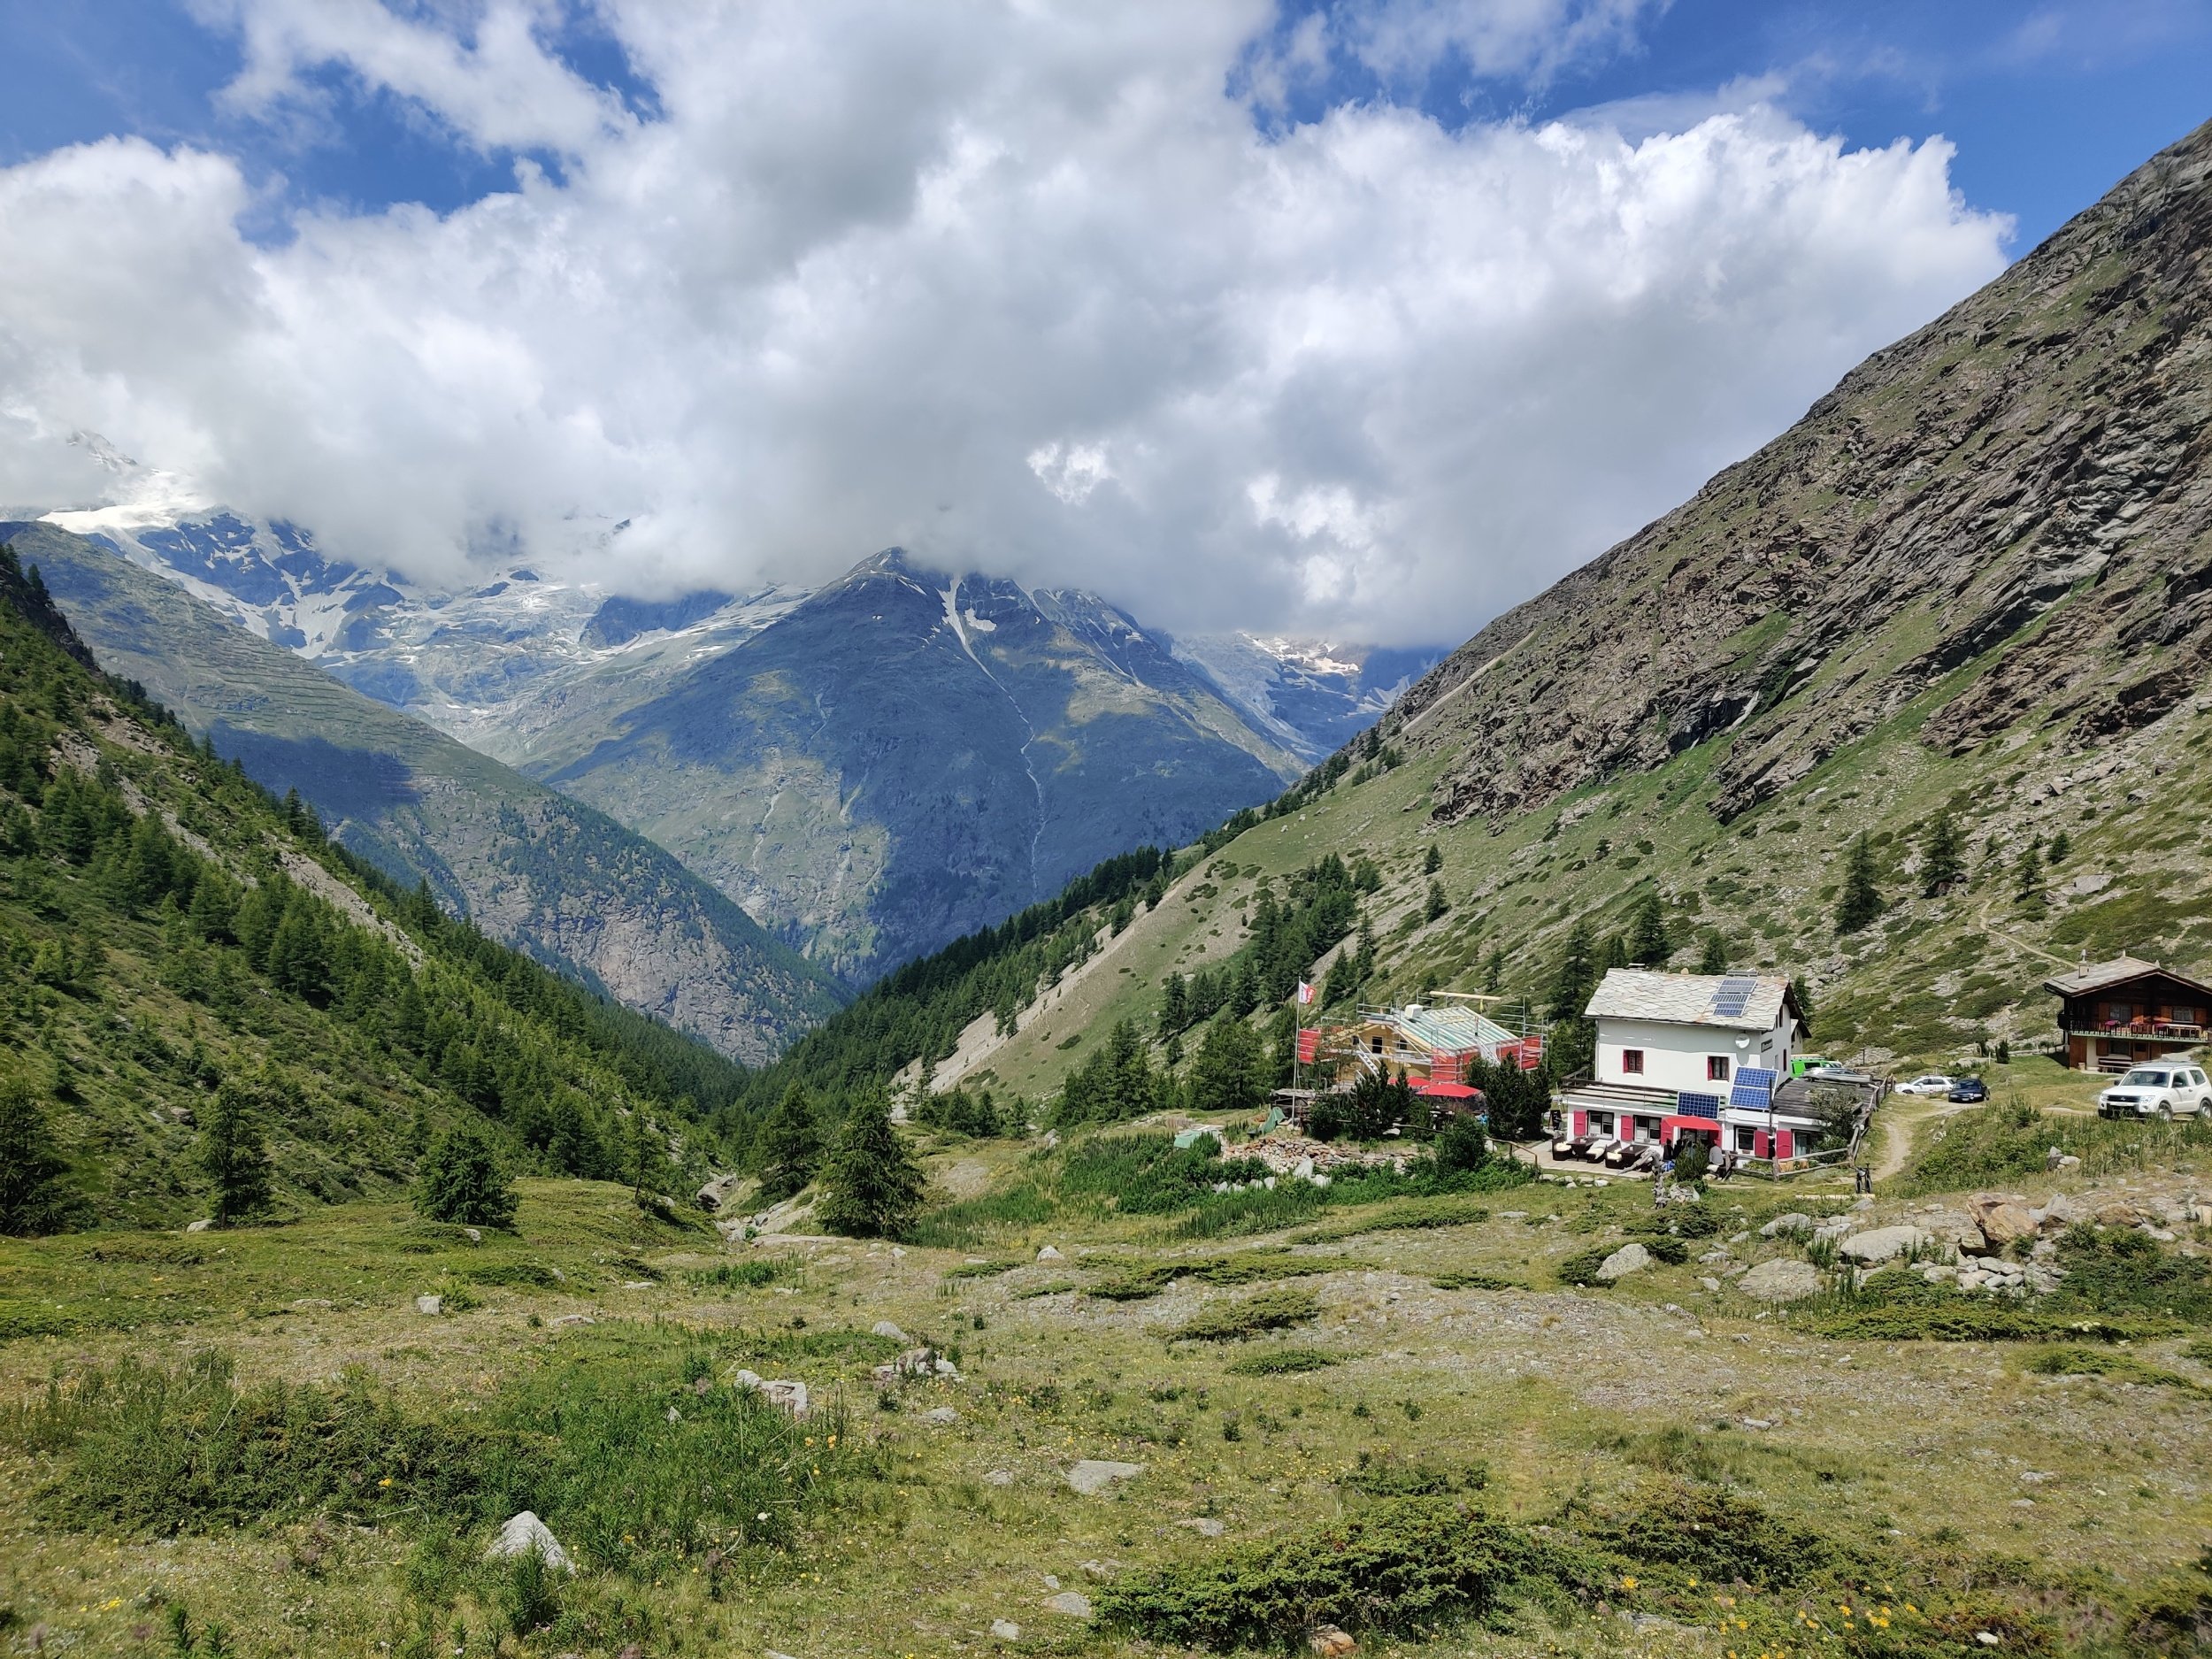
(461, 1181)
(1942, 856)
(1575, 977)
(2060, 848)
(1613, 954)
(644, 1156)
(1649, 946)
(1438, 904)
(232, 1154)
(1803, 993)
(33, 1199)
(1434, 861)
(1861, 901)
(2028, 888)
(790, 1146)
(1230, 1073)
(1174, 1005)
(872, 1184)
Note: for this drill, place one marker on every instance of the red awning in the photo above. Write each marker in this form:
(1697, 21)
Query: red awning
(1447, 1091)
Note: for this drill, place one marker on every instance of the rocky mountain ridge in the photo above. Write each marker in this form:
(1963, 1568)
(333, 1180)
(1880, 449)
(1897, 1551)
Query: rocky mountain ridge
(2026, 471)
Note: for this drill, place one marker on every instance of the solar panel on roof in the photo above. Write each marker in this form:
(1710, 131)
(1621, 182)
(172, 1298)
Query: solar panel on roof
(1734, 996)
(1697, 1105)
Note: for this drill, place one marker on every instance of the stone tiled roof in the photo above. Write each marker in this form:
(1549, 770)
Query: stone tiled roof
(2096, 975)
(1689, 999)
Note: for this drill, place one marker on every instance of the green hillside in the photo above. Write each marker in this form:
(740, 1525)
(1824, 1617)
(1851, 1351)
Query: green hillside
(529, 866)
(170, 932)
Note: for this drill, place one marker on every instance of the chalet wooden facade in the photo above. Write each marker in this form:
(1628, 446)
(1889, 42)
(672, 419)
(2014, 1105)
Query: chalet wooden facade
(2112, 1014)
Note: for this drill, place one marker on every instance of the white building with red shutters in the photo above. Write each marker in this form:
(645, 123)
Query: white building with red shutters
(1692, 1054)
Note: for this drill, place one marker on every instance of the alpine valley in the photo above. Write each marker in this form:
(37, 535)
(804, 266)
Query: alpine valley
(869, 769)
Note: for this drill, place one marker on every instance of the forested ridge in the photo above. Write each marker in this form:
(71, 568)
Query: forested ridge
(167, 927)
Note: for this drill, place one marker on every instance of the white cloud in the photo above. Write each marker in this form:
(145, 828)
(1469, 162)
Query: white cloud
(940, 276)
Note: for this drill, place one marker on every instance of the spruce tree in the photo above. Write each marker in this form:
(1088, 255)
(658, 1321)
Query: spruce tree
(1436, 902)
(1575, 977)
(1230, 1073)
(1803, 993)
(1649, 946)
(33, 1199)
(1861, 901)
(873, 1185)
(2061, 845)
(1615, 955)
(461, 1181)
(1433, 862)
(790, 1146)
(644, 1156)
(1713, 957)
(233, 1156)
(2028, 877)
(1175, 1005)
(1942, 856)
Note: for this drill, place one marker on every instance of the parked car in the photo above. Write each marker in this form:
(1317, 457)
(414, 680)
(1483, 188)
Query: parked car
(1933, 1084)
(2166, 1089)
(1967, 1090)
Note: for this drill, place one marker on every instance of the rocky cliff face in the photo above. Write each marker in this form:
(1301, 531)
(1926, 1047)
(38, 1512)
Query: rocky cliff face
(2012, 504)
(532, 869)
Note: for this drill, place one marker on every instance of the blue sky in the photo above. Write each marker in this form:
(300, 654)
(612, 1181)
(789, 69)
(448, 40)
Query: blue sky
(1242, 315)
(2048, 104)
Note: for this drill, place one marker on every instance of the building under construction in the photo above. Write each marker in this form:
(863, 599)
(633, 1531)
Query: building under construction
(1429, 1044)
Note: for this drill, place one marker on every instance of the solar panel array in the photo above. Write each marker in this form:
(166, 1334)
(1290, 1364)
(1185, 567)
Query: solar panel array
(1755, 1088)
(1734, 996)
(1698, 1105)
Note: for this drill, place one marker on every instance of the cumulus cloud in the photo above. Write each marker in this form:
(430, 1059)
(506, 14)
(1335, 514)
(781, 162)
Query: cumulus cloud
(1019, 286)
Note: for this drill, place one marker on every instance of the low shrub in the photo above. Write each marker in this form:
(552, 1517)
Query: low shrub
(986, 1270)
(1899, 1307)
(1389, 1478)
(1411, 1565)
(1473, 1281)
(1714, 1534)
(754, 1273)
(1250, 1267)
(1281, 1361)
(515, 1275)
(1234, 1322)
(2074, 1359)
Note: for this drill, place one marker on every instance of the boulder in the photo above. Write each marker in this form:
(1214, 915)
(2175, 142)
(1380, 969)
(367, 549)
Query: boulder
(1879, 1244)
(2117, 1212)
(2001, 1219)
(1048, 1253)
(431, 1305)
(1630, 1259)
(198, 1227)
(884, 1328)
(1204, 1525)
(1328, 1642)
(525, 1534)
(999, 1478)
(1006, 1629)
(1957, 1229)
(717, 1192)
(781, 1391)
(1073, 1603)
(1094, 1475)
(940, 1417)
(1794, 1222)
(1786, 1279)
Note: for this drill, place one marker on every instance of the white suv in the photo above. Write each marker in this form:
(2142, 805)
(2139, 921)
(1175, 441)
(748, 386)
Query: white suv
(2160, 1088)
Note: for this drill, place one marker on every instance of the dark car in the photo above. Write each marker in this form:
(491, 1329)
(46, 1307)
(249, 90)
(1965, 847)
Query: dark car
(1968, 1089)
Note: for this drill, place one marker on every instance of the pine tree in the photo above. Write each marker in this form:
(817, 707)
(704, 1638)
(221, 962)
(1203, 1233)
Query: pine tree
(1434, 861)
(1494, 970)
(461, 1181)
(233, 1156)
(2028, 877)
(871, 1186)
(2061, 846)
(33, 1199)
(1861, 901)
(1803, 993)
(1714, 958)
(1575, 977)
(644, 1156)
(1175, 1005)
(790, 1146)
(1942, 856)
(1649, 946)
(1230, 1073)
(1436, 902)
(1615, 955)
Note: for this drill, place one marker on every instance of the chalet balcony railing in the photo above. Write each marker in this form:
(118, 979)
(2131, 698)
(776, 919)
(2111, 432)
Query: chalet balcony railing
(2154, 1030)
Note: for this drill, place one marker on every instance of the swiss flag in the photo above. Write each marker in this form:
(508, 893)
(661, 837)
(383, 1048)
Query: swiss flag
(1305, 992)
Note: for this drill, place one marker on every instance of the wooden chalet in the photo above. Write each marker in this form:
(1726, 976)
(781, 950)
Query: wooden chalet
(2112, 1014)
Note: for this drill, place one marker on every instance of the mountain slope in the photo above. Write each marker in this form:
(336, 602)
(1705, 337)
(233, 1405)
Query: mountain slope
(2027, 470)
(907, 757)
(1974, 584)
(526, 864)
(168, 931)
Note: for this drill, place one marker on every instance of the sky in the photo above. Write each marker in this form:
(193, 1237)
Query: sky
(1356, 320)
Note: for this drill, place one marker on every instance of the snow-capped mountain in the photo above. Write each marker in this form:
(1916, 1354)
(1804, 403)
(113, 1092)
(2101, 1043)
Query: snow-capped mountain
(1311, 695)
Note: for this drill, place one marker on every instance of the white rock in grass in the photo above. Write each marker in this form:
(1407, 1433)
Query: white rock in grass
(1006, 1629)
(430, 1304)
(884, 1328)
(999, 1478)
(1095, 1474)
(940, 1417)
(525, 1534)
(1048, 1253)
(1630, 1259)
(1074, 1603)
(1204, 1525)
(1786, 1279)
